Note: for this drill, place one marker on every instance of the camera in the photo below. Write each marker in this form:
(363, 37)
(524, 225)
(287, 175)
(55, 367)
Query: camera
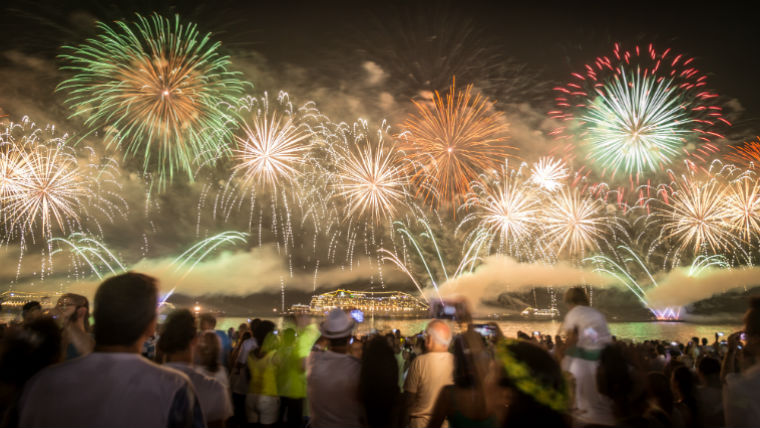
(441, 309)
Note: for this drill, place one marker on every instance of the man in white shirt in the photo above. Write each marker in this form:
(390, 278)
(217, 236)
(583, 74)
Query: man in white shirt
(587, 333)
(178, 342)
(332, 377)
(428, 374)
(114, 386)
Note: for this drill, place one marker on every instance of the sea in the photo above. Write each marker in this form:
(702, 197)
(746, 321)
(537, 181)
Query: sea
(680, 331)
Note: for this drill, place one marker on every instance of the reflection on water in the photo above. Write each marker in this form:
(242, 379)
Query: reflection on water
(638, 331)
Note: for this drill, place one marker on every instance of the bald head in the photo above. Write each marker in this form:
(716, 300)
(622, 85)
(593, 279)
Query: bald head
(438, 336)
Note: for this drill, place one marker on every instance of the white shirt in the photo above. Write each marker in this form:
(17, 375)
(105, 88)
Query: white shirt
(215, 401)
(103, 390)
(741, 402)
(332, 385)
(593, 333)
(428, 374)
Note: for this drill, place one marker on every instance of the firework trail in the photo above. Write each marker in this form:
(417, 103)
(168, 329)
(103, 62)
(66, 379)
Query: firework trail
(639, 112)
(746, 155)
(453, 141)
(156, 87)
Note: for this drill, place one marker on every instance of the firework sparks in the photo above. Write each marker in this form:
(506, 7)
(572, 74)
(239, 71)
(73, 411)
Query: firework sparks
(13, 169)
(156, 86)
(638, 111)
(696, 216)
(549, 173)
(453, 142)
(272, 147)
(742, 206)
(505, 209)
(746, 155)
(52, 190)
(372, 180)
(572, 221)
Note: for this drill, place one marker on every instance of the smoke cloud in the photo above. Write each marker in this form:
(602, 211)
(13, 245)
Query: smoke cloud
(499, 274)
(679, 289)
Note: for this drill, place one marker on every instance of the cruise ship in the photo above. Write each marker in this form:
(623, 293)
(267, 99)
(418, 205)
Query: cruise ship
(373, 303)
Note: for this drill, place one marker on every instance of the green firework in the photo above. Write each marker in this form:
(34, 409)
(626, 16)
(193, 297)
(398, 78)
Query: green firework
(158, 89)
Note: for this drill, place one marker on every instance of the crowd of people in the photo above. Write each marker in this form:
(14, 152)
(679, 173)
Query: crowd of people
(126, 370)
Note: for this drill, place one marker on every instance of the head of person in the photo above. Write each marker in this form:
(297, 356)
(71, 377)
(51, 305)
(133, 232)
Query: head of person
(337, 328)
(125, 310)
(243, 328)
(437, 336)
(26, 350)
(708, 370)
(207, 322)
(576, 296)
(178, 333)
(378, 381)
(31, 311)
(253, 324)
(538, 394)
(704, 341)
(264, 335)
(209, 347)
(74, 309)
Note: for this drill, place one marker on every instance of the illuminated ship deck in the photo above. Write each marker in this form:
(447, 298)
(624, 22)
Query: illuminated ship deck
(377, 303)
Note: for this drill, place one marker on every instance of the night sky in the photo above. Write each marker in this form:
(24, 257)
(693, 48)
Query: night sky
(368, 60)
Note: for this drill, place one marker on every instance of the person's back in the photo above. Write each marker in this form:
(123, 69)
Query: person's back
(114, 385)
(103, 389)
(741, 372)
(428, 374)
(332, 377)
(333, 390)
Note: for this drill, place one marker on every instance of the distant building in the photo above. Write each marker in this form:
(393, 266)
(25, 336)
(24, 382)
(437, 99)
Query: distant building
(377, 303)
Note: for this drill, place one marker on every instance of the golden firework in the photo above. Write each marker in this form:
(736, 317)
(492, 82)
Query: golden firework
(453, 141)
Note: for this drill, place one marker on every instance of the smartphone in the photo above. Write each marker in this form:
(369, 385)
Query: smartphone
(537, 333)
(723, 342)
(357, 315)
(442, 309)
(673, 343)
(720, 334)
(743, 337)
(485, 330)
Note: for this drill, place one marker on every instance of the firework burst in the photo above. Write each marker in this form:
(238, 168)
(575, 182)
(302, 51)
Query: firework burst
(453, 142)
(573, 221)
(638, 112)
(156, 87)
(372, 178)
(52, 190)
(696, 215)
(273, 144)
(505, 209)
(549, 173)
(742, 206)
